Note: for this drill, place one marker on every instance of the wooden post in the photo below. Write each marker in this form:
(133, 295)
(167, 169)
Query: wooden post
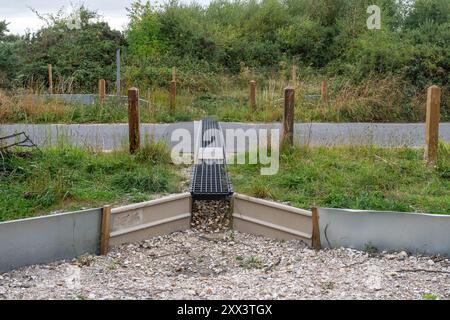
(252, 96)
(432, 126)
(173, 95)
(174, 74)
(104, 237)
(133, 119)
(118, 72)
(315, 229)
(324, 97)
(50, 79)
(288, 119)
(102, 90)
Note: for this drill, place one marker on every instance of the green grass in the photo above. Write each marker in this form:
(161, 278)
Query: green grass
(366, 178)
(251, 262)
(429, 296)
(65, 179)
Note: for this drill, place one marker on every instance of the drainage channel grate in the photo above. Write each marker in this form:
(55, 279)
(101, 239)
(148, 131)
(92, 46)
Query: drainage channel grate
(209, 139)
(209, 180)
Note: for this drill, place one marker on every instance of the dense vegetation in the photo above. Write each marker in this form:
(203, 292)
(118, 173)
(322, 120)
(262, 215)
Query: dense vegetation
(79, 56)
(357, 178)
(219, 47)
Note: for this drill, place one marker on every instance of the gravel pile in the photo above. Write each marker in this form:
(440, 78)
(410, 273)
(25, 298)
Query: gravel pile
(194, 265)
(211, 216)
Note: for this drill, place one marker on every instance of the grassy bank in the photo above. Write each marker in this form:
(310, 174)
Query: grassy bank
(355, 178)
(71, 179)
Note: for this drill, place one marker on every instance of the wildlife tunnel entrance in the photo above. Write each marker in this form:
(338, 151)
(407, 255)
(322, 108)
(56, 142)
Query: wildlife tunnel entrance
(210, 188)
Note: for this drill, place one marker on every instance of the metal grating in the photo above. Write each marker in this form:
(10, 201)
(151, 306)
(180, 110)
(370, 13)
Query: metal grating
(209, 139)
(210, 182)
(209, 179)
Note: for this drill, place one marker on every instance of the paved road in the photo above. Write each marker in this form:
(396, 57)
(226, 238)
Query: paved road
(114, 136)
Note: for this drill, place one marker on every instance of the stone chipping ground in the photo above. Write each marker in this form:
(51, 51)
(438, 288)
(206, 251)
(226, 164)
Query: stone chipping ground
(231, 265)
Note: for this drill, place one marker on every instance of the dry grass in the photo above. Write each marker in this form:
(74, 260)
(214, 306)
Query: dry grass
(227, 97)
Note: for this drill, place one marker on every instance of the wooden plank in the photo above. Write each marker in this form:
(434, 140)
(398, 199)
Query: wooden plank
(432, 124)
(104, 240)
(324, 95)
(288, 119)
(316, 230)
(102, 90)
(133, 119)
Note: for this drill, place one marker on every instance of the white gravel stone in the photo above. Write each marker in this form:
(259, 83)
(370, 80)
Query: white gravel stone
(194, 265)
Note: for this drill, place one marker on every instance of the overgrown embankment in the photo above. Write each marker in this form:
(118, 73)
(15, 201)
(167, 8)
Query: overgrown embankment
(66, 179)
(353, 177)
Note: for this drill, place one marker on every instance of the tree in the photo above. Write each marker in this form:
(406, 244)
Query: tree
(3, 29)
(81, 53)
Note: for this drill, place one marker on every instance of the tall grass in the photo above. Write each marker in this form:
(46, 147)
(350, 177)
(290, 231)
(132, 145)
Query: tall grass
(68, 178)
(377, 100)
(353, 177)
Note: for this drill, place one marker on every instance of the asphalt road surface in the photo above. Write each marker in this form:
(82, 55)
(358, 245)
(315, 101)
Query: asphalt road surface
(115, 136)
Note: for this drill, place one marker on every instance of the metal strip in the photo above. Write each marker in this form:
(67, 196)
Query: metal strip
(273, 226)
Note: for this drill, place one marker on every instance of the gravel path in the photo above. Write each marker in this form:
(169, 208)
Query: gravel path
(192, 265)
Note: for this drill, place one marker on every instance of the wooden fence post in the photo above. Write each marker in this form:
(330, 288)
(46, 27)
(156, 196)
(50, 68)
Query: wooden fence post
(288, 118)
(102, 90)
(104, 237)
(133, 119)
(324, 96)
(50, 79)
(432, 126)
(252, 95)
(173, 95)
(315, 229)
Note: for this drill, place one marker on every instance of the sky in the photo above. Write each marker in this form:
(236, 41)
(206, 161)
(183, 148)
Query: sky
(21, 18)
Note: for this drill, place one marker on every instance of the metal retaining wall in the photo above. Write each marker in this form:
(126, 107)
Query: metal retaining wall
(49, 238)
(150, 219)
(390, 231)
(68, 235)
(270, 219)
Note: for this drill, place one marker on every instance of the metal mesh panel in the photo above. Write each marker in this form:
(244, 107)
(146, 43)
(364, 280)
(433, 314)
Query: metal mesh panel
(209, 180)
